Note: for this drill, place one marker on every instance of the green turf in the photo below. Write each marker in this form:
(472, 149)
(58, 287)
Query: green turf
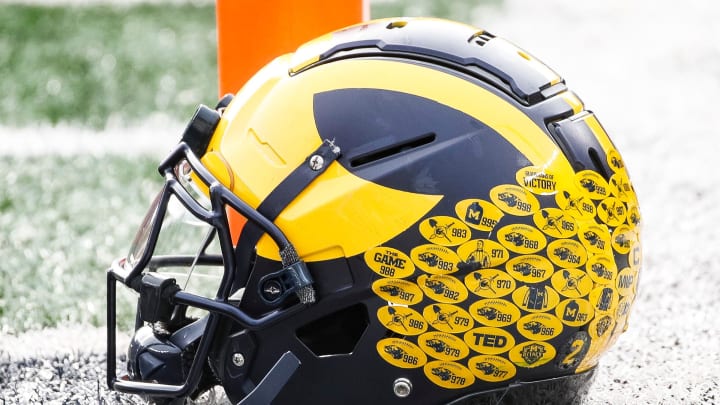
(62, 222)
(91, 65)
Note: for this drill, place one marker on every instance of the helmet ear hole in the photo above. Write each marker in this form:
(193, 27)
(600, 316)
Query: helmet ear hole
(337, 333)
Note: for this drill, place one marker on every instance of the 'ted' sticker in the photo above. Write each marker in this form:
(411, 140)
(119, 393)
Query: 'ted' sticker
(537, 180)
(489, 340)
(529, 268)
(514, 200)
(435, 259)
(443, 288)
(521, 238)
(478, 214)
(490, 283)
(397, 291)
(445, 231)
(532, 354)
(443, 346)
(389, 262)
(448, 374)
(401, 353)
(448, 318)
(491, 368)
(593, 183)
(402, 320)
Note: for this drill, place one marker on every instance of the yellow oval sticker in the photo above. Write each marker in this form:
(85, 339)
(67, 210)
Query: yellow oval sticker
(604, 300)
(595, 238)
(575, 312)
(540, 326)
(537, 179)
(567, 253)
(576, 203)
(555, 222)
(490, 283)
(615, 161)
(572, 283)
(626, 280)
(448, 318)
(593, 183)
(478, 214)
(481, 254)
(612, 211)
(389, 262)
(532, 354)
(443, 346)
(489, 340)
(445, 231)
(601, 326)
(623, 238)
(529, 268)
(602, 269)
(621, 187)
(401, 353)
(491, 368)
(535, 298)
(448, 374)
(402, 320)
(435, 259)
(397, 291)
(494, 312)
(521, 238)
(443, 288)
(514, 200)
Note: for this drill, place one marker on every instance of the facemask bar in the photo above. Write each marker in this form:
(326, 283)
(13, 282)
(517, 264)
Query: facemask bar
(159, 295)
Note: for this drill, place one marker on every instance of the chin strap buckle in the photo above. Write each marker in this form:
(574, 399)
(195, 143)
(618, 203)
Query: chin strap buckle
(293, 278)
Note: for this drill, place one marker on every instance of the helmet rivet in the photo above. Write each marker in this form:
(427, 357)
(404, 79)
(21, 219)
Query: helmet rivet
(238, 359)
(316, 162)
(402, 387)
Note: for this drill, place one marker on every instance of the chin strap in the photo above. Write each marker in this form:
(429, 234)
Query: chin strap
(293, 278)
(274, 381)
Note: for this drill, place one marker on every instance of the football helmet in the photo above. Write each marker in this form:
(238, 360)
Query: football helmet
(402, 211)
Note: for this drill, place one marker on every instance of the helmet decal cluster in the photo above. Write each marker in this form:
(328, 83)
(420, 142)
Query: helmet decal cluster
(523, 277)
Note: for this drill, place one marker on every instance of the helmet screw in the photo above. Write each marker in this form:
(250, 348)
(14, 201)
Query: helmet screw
(316, 162)
(238, 359)
(402, 387)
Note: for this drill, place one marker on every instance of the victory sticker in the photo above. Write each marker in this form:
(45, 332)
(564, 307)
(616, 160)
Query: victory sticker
(514, 200)
(402, 320)
(443, 346)
(537, 180)
(572, 283)
(574, 312)
(555, 222)
(478, 214)
(445, 231)
(539, 326)
(532, 354)
(389, 262)
(481, 254)
(489, 340)
(490, 283)
(397, 291)
(567, 253)
(435, 259)
(491, 368)
(448, 318)
(448, 374)
(401, 353)
(521, 238)
(593, 183)
(494, 312)
(443, 288)
(529, 268)
(535, 298)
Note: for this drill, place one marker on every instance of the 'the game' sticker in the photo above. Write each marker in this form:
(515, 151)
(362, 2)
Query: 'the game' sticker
(448, 374)
(445, 231)
(478, 214)
(435, 259)
(401, 353)
(514, 200)
(537, 180)
(402, 320)
(491, 368)
(389, 262)
(532, 354)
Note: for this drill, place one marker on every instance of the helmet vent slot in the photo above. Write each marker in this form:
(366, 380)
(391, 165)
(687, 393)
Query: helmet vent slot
(391, 150)
(337, 333)
(481, 37)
